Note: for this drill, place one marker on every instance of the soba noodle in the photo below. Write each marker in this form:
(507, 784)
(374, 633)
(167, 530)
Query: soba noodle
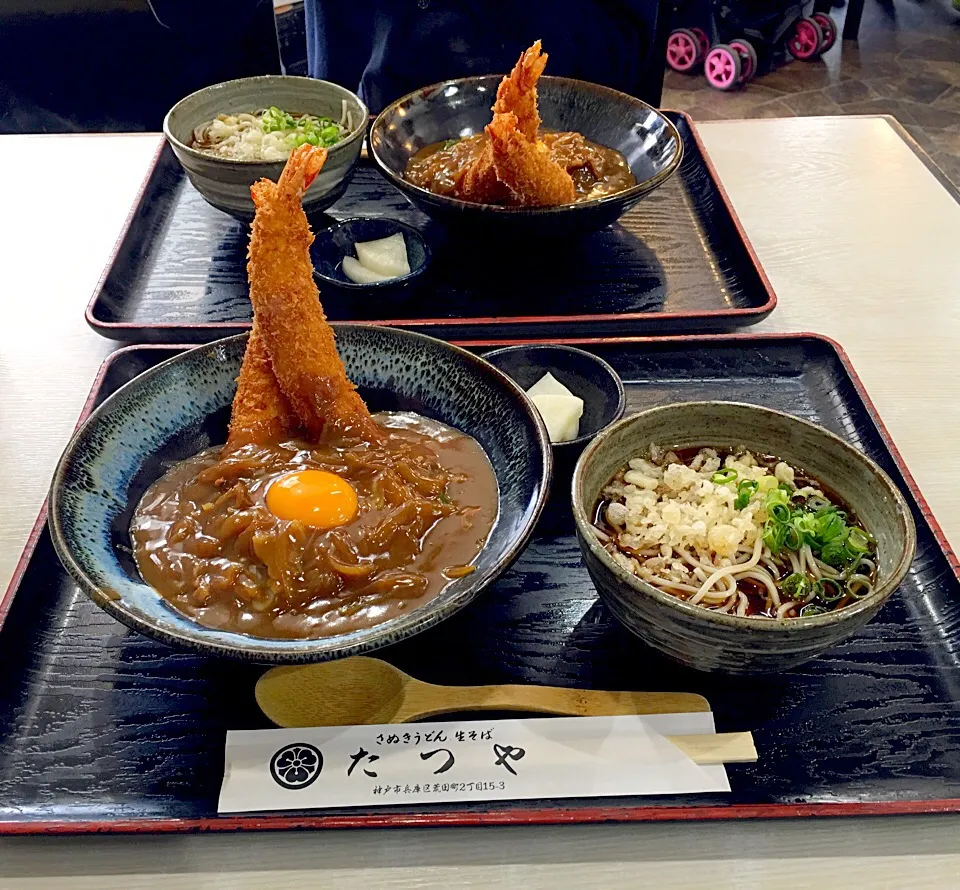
(269, 134)
(735, 532)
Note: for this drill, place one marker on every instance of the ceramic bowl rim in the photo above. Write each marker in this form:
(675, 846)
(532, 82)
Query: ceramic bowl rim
(635, 191)
(406, 228)
(358, 132)
(262, 650)
(800, 624)
(604, 366)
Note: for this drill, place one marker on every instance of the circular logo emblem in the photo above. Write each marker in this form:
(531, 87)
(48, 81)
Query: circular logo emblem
(296, 766)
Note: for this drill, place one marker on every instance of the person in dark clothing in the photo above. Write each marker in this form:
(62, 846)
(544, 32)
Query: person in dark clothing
(387, 48)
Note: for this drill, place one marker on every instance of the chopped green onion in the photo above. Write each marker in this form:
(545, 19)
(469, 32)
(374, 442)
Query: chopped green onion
(858, 541)
(721, 477)
(775, 497)
(806, 526)
(813, 609)
(305, 130)
(830, 591)
(745, 491)
(274, 119)
(792, 540)
(773, 536)
(834, 553)
(795, 586)
(830, 527)
(330, 135)
(779, 512)
(794, 521)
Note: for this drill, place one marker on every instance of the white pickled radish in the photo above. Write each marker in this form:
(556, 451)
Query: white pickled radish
(561, 415)
(548, 385)
(359, 274)
(387, 256)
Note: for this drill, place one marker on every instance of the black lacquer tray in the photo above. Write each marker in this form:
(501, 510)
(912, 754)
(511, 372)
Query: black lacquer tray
(105, 730)
(678, 262)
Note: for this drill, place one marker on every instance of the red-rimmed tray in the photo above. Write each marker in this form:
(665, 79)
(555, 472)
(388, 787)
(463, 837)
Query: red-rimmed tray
(102, 730)
(678, 262)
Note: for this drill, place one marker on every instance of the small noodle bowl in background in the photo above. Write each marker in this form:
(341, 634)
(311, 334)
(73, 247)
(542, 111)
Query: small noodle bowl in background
(706, 639)
(225, 182)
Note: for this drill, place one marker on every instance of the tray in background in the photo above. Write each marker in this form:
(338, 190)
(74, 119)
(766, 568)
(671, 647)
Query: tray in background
(678, 262)
(105, 730)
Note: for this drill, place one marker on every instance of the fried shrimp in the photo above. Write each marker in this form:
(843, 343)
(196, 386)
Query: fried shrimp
(507, 170)
(526, 167)
(289, 319)
(517, 93)
(478, 182)
(261, 412)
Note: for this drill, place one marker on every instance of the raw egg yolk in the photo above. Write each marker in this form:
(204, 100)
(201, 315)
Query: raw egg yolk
(314, 497)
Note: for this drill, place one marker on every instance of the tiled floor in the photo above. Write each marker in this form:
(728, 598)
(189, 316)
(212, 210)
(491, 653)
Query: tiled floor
(906, 63)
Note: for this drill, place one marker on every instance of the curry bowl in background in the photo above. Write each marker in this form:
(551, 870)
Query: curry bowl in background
(454, 109)
(224, 182)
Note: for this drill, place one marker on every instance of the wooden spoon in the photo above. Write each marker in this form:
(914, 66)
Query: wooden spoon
(362, 691)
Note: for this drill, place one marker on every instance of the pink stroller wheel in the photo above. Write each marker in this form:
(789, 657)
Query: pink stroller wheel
(829, 28)
(683, 50)
(722, 67)
(806, 39)
(703, 39)
(748, 58)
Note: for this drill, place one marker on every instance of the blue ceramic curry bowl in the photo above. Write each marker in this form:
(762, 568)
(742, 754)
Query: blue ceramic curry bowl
(457, 108)
(183, 406)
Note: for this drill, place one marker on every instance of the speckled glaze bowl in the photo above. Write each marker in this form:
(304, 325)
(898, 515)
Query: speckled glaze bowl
(183, 405)
(711, 641)
(226, 184)
(456, 108)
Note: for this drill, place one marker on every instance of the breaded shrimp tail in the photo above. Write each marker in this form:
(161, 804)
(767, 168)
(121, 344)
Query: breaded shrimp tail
(261, 412)
(526, 167)
(517, 92)
(286, 304)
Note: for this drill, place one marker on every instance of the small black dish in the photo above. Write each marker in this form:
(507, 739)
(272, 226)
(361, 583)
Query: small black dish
(586, 376)
(331, 245)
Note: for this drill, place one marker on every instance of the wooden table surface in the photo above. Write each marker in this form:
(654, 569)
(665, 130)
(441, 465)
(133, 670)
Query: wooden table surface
(860, 241)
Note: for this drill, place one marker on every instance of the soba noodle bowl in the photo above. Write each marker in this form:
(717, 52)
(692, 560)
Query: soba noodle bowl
(736, 532)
